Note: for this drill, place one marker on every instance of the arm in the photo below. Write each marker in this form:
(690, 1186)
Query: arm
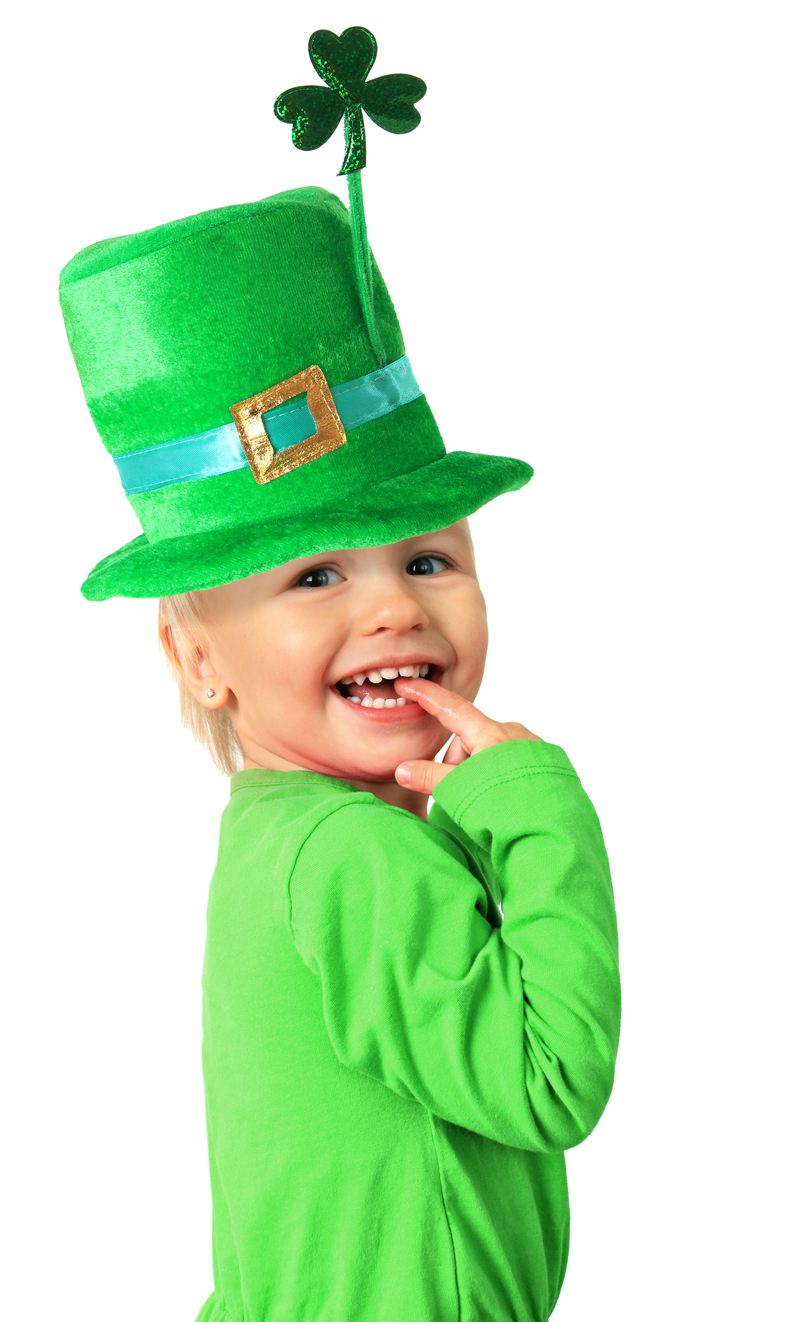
(510, 1032)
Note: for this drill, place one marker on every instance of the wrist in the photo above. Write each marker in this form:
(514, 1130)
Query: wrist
(486, 771)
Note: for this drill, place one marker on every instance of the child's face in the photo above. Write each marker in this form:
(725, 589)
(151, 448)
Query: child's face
(281, 642)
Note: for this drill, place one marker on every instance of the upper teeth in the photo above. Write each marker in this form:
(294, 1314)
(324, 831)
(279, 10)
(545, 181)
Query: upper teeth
(389, 672)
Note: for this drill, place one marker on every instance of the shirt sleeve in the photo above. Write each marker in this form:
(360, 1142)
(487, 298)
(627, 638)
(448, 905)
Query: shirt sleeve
(508, 1031)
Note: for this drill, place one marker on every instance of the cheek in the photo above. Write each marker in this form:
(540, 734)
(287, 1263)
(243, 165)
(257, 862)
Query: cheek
(258, 672)
(289, 671)
(468, 636)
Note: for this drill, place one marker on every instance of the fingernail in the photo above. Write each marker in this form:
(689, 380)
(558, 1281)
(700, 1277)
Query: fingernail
(402, 774)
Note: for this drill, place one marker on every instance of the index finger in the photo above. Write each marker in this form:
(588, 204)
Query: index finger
(457, 714)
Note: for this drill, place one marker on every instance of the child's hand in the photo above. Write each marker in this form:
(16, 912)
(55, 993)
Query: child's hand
(472, 732)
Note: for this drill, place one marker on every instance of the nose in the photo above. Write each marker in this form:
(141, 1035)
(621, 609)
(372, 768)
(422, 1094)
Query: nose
(391, 607)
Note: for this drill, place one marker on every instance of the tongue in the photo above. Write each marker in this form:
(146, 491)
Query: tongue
(385, 689)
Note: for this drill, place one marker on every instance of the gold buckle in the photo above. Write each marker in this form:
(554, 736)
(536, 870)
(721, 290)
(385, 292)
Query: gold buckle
(265, 462)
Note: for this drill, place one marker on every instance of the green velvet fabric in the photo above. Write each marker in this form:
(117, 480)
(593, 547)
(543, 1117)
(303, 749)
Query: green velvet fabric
(387, 447)
(169, 336)
(171, 327)
(408, 505)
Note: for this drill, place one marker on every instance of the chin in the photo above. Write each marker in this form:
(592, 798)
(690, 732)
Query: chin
(351, 759)
(380, 770)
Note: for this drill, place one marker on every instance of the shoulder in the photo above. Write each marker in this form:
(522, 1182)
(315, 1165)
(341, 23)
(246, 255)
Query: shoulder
(272, 815)
(361, 826)
(367, 867)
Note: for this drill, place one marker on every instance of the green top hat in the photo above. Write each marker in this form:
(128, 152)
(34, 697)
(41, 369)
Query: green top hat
(246, 371)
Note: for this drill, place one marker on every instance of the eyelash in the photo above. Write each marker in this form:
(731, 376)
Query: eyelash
(431, 555)
(316, 569)
(428, 555)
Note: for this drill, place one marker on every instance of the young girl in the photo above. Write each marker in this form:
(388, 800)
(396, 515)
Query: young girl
(406, 1020)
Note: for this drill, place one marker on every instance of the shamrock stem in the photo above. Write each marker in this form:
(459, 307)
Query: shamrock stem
(362, 256)
(354, 139)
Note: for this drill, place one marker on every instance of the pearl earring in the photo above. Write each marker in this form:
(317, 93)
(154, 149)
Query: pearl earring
(210, 693)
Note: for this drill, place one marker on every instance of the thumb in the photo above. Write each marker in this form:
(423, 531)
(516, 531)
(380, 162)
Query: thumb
(421, 776)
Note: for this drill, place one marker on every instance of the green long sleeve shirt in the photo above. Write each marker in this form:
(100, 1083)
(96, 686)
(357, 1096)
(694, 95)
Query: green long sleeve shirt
(393, 1071)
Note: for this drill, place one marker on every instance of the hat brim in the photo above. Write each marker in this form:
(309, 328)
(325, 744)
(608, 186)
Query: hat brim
(426, 499)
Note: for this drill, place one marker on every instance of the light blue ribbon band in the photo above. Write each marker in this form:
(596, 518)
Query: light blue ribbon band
(220, 450)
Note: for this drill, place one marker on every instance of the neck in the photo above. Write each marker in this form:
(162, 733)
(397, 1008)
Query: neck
(397, 796)
(387, 791)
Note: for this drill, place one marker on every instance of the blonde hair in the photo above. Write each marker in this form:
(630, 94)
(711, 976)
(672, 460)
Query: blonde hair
(181, 632)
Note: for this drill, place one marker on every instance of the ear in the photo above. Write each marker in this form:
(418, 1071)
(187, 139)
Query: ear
(195, 667)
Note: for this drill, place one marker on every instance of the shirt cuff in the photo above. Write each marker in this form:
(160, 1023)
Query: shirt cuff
(496, 766)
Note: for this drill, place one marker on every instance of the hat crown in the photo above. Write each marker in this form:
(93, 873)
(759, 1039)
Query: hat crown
(171, 327)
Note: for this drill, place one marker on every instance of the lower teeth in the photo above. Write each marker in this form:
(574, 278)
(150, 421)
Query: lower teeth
(381, 702)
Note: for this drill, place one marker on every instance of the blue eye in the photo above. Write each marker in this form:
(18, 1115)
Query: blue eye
(428, 564)
(322, 577)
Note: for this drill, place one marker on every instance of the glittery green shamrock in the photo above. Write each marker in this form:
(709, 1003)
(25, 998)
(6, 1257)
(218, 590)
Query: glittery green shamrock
(343, 63)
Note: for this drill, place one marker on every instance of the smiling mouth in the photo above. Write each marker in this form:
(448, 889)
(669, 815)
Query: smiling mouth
(375, 688)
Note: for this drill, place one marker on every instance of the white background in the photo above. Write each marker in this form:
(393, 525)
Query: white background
(588, 241)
